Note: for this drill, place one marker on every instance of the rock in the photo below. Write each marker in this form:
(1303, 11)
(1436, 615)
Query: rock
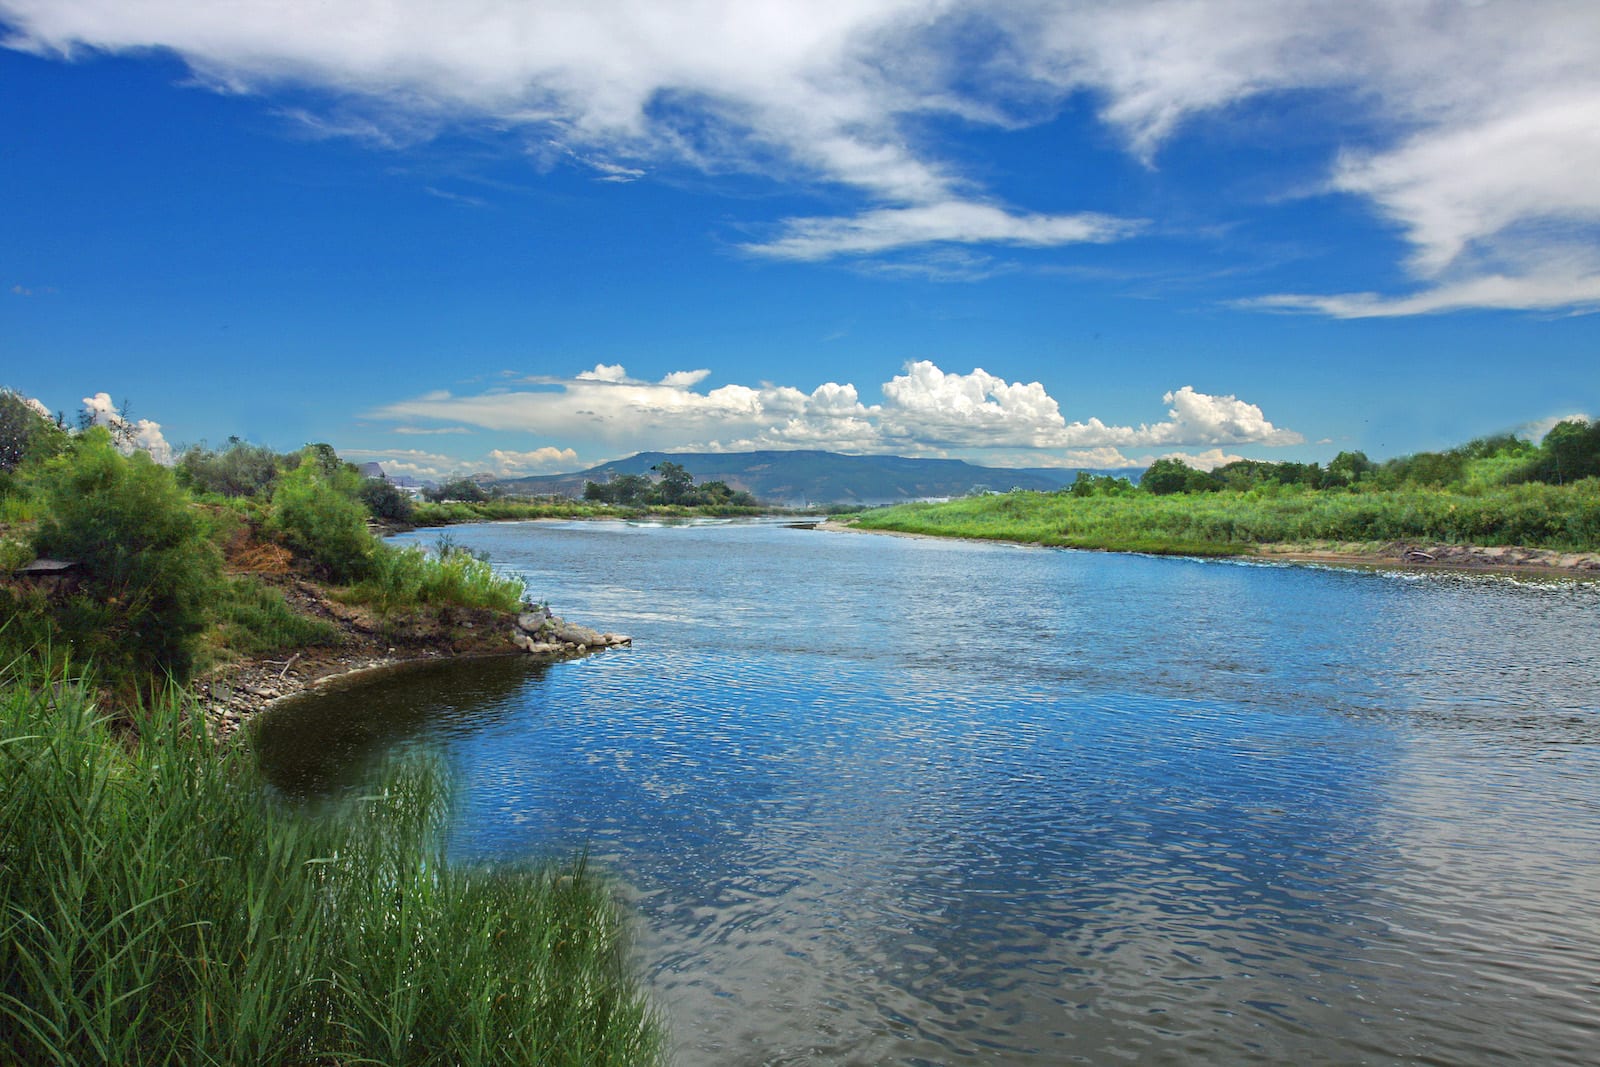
(531, 621)
(570, 633)
(522, 640)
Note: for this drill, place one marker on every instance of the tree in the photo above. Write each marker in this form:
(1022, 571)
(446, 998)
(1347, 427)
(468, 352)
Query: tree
(149, 568)
(1347, 468)
(25, 432)
(385, 501)
(1570, 451)
(320, 516)
(458, 489)
(1166, 476)
(676, 483)
(240, 470)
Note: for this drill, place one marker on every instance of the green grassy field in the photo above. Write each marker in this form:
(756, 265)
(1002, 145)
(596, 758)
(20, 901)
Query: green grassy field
(1230, 523)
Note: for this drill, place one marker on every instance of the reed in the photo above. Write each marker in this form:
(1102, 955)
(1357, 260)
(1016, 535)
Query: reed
(158, 907)
(400, 578)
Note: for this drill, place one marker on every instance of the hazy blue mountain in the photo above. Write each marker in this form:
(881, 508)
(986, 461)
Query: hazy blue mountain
(811, 477)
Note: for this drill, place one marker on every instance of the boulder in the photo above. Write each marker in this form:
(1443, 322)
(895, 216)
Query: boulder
(571, 633)
(532, 621)
(522, 640)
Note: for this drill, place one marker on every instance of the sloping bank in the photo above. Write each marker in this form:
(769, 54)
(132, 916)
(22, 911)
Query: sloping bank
(1406, 555)
(232, 695)
(158, 905)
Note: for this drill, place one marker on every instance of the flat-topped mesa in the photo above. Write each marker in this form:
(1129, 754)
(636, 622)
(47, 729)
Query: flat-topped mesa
(541, 633)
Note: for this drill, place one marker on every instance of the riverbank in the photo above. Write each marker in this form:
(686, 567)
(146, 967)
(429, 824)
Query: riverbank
(233, 693)
(1395, 555)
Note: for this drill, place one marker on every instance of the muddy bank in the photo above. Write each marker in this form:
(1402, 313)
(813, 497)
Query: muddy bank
(1407, 555)
(231, 694)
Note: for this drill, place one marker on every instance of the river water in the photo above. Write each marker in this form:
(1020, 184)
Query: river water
(879, 800)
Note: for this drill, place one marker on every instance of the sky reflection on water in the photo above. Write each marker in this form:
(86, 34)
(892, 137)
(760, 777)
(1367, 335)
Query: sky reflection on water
(888, 801)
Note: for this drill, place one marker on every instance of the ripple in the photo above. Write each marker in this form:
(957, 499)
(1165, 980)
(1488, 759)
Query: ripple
(877, 800)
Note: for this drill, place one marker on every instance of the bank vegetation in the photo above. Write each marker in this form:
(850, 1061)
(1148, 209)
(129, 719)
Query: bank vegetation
(158, 904)
(1497, 491)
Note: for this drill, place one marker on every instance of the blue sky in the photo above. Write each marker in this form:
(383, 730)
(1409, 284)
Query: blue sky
(523, 238)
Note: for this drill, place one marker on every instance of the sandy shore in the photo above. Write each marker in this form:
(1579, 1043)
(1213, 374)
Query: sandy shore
(1397, 555)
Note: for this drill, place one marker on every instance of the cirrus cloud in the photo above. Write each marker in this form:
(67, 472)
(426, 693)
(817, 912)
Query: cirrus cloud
(1467, 127)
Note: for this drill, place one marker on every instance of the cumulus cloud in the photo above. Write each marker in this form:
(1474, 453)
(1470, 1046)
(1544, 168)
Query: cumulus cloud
(131, 436)
(924, 411)
(1208, 460)
(544, 460)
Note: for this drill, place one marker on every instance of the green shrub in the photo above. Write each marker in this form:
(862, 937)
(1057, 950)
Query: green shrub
(240, 470)
(158, 907)
(317, 512)
(149, 569)
(401, 578)
(385, 502)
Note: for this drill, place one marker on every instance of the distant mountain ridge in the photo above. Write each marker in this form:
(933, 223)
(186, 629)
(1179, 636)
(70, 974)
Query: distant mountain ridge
(798, 478)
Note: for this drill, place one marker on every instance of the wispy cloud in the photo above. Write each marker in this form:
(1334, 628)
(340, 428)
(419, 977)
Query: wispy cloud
(1469, 127)
(949, 221)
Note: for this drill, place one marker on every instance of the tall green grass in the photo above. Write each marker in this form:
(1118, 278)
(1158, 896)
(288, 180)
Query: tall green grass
(400, 578)
(1536, 515)
(253, 619)
(157, 907)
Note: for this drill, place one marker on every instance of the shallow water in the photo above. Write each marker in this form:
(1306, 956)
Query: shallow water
(883, 800)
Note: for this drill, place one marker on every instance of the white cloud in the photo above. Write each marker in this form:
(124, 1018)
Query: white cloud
(1208, 460)
(1535, 431)
(131, 435)
(684, 379)
(924, 411)
(953, 221)
(1469, 126)
(540, 461)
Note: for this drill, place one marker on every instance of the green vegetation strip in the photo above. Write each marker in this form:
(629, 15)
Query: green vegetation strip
(158, 907)
(1562, 517)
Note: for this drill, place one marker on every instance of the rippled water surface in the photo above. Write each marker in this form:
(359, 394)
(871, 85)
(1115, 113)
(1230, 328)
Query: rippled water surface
(884, 800)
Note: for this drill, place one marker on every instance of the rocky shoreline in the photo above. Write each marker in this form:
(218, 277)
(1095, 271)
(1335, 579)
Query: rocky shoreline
(232, 694)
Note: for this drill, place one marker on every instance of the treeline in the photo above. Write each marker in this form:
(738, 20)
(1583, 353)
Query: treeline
(1570, 452)
(673, 487)
(1494, 491)
(166, 562)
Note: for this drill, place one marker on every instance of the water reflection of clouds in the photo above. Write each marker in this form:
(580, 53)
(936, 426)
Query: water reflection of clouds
(885, 799)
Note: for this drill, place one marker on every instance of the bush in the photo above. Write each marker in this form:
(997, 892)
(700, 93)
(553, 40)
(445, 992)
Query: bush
(385, 502)
(240, 470)
(149, 567)
(317, 513)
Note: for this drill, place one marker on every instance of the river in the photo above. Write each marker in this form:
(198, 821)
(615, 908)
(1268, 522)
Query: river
(880, 800)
